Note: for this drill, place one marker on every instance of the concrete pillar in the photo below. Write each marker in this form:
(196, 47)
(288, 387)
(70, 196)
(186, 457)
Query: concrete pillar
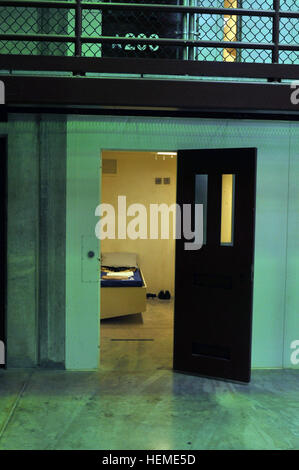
(52, 241)
(22, 241)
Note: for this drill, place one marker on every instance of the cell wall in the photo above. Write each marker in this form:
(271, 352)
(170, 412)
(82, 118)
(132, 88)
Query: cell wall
(275, 298)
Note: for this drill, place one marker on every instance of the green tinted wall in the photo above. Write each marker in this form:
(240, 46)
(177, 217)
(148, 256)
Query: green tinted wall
(275, 321)
(291, 331)
(37, 308)
(82, 272)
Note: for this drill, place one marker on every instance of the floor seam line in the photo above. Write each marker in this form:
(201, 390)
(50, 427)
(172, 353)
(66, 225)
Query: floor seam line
(14, 406)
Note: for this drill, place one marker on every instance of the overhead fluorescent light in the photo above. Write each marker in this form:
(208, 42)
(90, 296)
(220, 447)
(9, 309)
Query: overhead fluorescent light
(167, 153)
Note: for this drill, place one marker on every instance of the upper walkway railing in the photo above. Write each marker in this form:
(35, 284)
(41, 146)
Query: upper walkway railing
(234, 31)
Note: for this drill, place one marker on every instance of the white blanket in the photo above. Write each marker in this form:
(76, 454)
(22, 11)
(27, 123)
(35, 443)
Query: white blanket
(120, 274)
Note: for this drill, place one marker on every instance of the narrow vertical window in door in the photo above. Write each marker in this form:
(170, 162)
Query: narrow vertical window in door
(230, 31)
(201, 197)
(227, 210)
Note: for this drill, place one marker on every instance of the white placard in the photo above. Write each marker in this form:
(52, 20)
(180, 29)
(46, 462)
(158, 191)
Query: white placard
(2, 92)
(2, 353)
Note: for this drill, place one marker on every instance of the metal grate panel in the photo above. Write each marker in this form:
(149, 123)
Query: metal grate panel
(257, 31)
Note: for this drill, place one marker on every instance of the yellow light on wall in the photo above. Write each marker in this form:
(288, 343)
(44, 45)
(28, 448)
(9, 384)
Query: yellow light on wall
(227, 209)
(165, 155)
(230, 31)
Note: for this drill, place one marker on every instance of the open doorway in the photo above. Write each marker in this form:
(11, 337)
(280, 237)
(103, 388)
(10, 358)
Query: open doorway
(214, 206)
(138, 267)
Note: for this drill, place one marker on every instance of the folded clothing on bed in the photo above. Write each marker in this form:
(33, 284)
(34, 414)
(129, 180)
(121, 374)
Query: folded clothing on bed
(118, 275)
(121, 277)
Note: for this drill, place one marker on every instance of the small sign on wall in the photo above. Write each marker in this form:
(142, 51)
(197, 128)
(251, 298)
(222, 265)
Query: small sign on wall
(3, 109)
(142, 25)
(2, 353)
(2, 92)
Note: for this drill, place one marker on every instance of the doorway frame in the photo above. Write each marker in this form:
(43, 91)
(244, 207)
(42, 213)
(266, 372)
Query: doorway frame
(158, 149)
(70, 363)
(90, 360)
(118, 134)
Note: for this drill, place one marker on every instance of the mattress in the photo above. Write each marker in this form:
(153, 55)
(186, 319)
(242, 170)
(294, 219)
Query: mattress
(134, 281)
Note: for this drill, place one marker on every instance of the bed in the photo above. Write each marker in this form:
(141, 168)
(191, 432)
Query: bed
(123, 288)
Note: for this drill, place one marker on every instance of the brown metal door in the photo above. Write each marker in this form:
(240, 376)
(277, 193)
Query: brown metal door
(214, 284)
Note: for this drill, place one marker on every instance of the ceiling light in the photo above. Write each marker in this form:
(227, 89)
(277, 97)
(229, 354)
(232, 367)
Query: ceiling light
(167, 153)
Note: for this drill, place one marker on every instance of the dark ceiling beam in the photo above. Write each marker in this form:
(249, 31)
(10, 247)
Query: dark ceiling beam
(142, 112)
(136, 93)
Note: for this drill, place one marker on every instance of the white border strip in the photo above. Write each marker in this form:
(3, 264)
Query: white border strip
(2, 92)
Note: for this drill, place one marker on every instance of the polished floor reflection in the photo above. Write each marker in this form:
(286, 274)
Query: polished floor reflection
(147, 410)
(135, 400)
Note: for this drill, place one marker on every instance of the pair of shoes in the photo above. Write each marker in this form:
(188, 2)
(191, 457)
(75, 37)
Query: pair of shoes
(164, 295)
(167, 295)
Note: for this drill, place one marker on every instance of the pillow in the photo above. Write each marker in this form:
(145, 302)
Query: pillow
(117, 260)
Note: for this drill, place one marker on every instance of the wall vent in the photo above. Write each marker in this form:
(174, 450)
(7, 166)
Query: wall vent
(158, 180)
(109, 166)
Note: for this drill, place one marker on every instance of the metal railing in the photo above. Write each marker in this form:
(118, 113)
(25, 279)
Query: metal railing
(230, 31)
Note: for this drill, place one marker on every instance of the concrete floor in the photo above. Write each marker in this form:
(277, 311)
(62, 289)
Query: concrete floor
(139, 342)
(135, 401)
